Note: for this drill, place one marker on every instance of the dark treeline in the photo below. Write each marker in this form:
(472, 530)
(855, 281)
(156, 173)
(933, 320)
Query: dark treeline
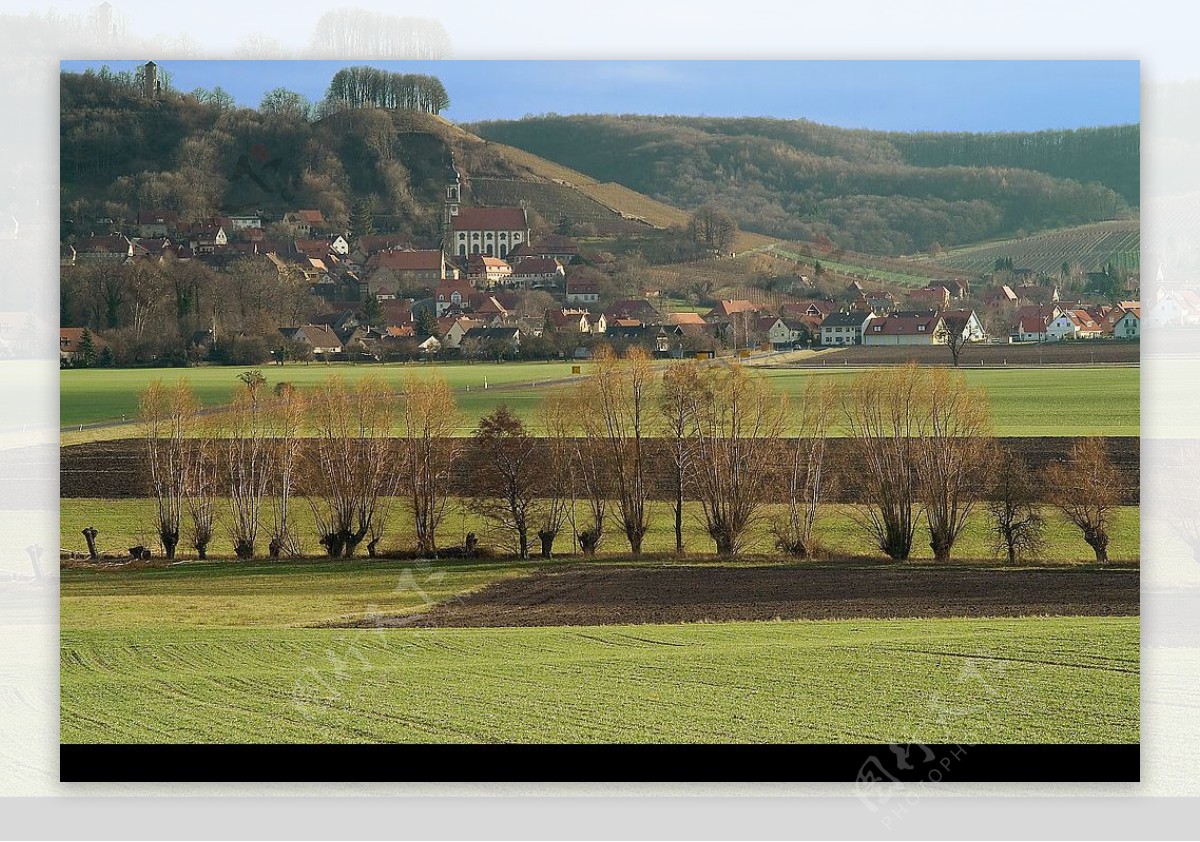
(884, 193)
(359, 87)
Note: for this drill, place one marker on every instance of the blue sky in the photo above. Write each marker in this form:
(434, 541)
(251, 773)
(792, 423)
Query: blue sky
(898, 95)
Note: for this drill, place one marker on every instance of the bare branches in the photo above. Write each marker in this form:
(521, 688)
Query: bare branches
(1086, 489)
(807, 479)
(616, 403)
(247, 463)
(429, 418)
(506, 486)
(1018, 528)
(167, 414)
(737, 419)
(351, 461)
(883, 412)
(953, 453)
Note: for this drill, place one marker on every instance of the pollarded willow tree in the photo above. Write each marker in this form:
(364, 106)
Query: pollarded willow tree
(619, 401)
(352, 469)
(556, 475)
(286, 424)
(429, 419)
(1086, 489)
(506, 486)
(680, 385)
(808, 477)
(953, 453)
(244, 429)
(883, 410)
(167, 413)
(737, 420)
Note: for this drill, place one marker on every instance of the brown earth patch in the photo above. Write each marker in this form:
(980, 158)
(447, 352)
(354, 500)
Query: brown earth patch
(605, 595)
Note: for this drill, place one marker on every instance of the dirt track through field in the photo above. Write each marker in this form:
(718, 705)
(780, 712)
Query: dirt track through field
(604, 595)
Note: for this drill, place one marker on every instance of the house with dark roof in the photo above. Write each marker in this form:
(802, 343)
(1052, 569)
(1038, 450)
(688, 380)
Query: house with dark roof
(116, 248)
(492, 232)
(638, 309)
(904, 329)
(964, 323)
(491, 340)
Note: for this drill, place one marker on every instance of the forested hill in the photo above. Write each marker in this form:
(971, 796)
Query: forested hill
(122, 153)
(882, 192)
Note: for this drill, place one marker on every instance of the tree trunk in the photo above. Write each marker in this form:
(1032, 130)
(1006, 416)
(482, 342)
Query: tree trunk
(898, 545)
(244, 550)
(724, 541)
(275, 548)
(170, 540)
(202, 551)
(371, 545)
(547, 538)
(523, 541)
(679, 519)
(941, 548)
(89, 535)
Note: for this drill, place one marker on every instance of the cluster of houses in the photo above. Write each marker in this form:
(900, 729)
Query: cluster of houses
(384, 293)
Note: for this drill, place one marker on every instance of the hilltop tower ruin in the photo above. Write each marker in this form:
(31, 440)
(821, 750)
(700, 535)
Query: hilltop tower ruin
(151, 87)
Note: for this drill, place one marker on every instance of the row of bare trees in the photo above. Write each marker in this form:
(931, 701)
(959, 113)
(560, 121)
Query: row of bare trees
(923, 451)
(335, 448)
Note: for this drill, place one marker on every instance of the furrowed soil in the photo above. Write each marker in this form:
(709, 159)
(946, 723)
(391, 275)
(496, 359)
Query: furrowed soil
(589, 596)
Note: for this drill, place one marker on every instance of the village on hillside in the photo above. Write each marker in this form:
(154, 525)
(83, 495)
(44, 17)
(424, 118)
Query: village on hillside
(491, 289)
(489, 276)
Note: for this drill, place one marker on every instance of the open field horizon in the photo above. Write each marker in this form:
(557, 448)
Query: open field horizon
(1025, 401)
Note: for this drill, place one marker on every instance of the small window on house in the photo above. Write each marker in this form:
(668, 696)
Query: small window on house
(921, 328)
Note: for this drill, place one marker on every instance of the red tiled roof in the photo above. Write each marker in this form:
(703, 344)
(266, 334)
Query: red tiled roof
(728, 307)
(902, 325)
(490, 219)
(420, 260)
(537, 266)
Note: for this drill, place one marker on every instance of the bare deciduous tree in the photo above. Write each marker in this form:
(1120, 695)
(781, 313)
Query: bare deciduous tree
(167, 413)
(202, 486)
(1018, 528)
(1086, 489)
(807, 479)
(506, 487)
(286, 419)
(680, 385)
(556, 482)
(429, 418)
(883, 411)
(618, 401)
(953, 453)
(737, 420)
(352, 467)
(247, 463)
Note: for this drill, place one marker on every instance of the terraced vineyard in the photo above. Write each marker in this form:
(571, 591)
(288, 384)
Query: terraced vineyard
(1089, 246)
(552, 202)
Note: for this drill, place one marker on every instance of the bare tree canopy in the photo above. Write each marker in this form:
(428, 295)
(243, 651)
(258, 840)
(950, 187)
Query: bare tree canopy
(737, 419)
(1086, 489)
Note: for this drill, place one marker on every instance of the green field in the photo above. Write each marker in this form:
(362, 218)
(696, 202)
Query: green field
(222, 652)
(90, 396)
(1025, 402)
(967, 681)
(125, 523)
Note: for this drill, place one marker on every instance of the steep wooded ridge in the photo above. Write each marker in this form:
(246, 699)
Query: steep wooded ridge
(879, 192)
(121, 153)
